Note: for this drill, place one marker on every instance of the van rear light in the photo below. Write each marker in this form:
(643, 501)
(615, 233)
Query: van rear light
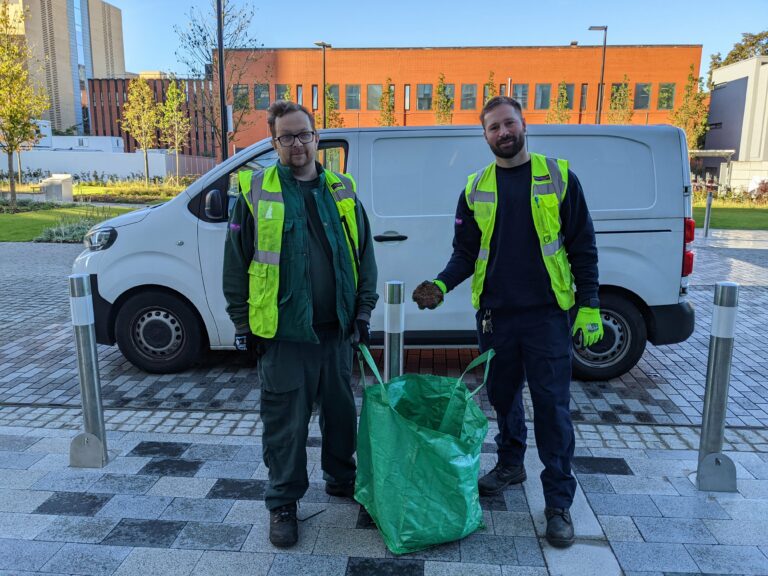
(689, 230)
(687, 263)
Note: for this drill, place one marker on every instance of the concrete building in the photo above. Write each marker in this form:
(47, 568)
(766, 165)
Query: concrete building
(738, 120)
(656, 74)
(72, 41)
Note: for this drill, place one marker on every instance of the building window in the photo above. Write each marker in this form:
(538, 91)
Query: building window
(468, 96)
(666, 96)
(374, 97)
(300, 94)
(353, 96)
(502, 89)
(450, 93)
(568, 95)
(240, 97)
(261, 96)
(314, 96)
(282, 91)
(642, 96)
(333, 92)
(407, 97)
(543, 93)
(520, 93)
(583, 103)
(423, 96)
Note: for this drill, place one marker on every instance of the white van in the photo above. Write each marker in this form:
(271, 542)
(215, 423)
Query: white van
(156, 273)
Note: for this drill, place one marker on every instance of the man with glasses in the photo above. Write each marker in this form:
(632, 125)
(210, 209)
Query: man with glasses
(300, 283)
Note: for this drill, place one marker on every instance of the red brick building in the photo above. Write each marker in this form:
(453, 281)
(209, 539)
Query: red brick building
(656, 77)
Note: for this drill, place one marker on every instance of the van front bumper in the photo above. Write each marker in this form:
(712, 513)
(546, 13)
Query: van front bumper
(670, 324)
(102, 315)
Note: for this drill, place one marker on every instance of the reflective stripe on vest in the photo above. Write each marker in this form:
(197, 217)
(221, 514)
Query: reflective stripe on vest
(263, 195)
(549, 182)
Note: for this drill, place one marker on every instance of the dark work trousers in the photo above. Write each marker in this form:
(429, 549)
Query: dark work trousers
(294, 377)
(533, 344)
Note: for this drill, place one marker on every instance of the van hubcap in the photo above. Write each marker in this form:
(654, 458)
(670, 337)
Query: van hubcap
(614, 345)
(158, 333)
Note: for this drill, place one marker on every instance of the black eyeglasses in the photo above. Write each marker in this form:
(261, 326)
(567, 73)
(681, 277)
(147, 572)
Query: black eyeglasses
(288, 139)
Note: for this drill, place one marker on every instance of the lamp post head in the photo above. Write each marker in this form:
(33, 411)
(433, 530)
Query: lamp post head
(602, 28)
(322, 44)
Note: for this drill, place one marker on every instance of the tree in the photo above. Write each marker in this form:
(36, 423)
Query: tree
(443, 102)
(334, 119)
(286, 95)
(750, 45)
(489, 88)
(140, 118)
(197, 50)
(387, 105)
(692, 114)
(21, 102)
(620, 109)
(560, 113)
(173, 120)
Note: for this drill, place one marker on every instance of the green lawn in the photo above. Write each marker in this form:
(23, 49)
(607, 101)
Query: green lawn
(26, 226)
(732, 218)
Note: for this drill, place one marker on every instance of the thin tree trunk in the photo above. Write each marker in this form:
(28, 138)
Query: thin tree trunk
(177, 166)
(146, 169)
(12, 182)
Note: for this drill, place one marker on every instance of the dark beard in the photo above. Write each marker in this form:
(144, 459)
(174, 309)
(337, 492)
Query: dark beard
(508, 153)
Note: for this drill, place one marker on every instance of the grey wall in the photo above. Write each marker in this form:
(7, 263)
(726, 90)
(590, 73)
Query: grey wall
(726, 117)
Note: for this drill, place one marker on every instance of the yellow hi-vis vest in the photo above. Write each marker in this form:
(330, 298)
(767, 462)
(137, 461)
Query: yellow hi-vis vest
(549, 181)
(264, 195)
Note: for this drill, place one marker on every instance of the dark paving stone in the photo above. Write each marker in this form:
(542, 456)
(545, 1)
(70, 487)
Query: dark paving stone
(238, 489)
(211, 536)
(644, 417)
(314, 442)
(171, 467)
(488, 549)
(598, 465)
(496, 502)
(123, 484)
(384, 567)
(364, 520)
(609, 417)
(489, 448)
(73, 504)
(144, 533)
(166, 449)
(516, 501)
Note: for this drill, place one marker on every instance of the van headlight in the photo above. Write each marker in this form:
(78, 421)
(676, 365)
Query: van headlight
(100, 238)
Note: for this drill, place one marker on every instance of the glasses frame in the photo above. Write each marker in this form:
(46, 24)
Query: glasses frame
(294, 137)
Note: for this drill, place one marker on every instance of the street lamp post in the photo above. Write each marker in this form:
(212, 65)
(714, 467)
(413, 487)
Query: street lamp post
(323, 45)
(600, 88)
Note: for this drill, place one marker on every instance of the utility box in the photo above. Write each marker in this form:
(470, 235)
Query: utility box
(57, 188)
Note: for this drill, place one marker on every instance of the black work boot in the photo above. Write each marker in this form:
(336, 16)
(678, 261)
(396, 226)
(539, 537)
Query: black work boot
(500, 477)
(283, 527)
(559, 527)
(341, 490)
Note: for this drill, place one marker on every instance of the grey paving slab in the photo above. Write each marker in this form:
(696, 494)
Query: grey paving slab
(688, 507)
(26, 554)
(87, 559)
(19, 479)
(212, 452)
(258, 540)
(582, 559)
(753, 489)
(22, 526)
(339, 515)
(489, 548)
(290, 564)
(436, 568)
(212, 536)
(228, 469)
(77, 529)
(126, 464)
(674, 530)
(512, 524)
(729, 559)
(636, 485)
(349, 542)
(19, 460)
(143, 561)
(623, 505)
(620, 529)
(448, 552)
(523, 571)
(595, 483)
(215, 563)
(138, 507)
(641, 556)
(10, 443)
(123, 484)
(181, 487)
(197, 509)
(756, 510)
(144, 533)
(22, 501)
(67, 480)
(750, 532)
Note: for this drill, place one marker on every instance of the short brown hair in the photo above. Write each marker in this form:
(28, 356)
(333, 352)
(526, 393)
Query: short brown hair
(497, 101)
(280, 108)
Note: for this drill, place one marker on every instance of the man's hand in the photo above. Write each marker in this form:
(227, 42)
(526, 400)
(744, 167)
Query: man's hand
(428, 295)
(361, 333)
(590, 324)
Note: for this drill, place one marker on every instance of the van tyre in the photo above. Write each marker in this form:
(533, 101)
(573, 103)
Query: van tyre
(158, 332)
(621, 347)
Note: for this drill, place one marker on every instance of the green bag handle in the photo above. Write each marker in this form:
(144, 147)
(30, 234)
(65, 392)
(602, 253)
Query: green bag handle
(485, 357)
(366, 354)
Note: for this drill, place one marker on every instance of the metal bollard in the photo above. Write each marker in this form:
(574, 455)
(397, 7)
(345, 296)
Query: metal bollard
(716, 472)
(394, 327)
(708, 212)
(88, 449)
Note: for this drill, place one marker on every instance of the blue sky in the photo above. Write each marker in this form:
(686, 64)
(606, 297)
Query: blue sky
(150, 41)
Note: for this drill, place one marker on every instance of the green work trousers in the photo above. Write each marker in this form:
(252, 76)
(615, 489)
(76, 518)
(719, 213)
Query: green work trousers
(294, 378)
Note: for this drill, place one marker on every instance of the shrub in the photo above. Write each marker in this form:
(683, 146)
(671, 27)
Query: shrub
(72, 229)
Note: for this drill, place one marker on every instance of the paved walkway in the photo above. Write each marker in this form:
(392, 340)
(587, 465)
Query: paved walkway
(183, 491)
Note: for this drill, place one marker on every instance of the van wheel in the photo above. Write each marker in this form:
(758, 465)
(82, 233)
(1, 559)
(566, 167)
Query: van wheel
(621, 347)
(158, 332)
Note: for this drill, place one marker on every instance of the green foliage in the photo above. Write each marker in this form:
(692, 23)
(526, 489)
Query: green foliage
(140, 117)
(173, 121)
(25, 227)
(286, 95)
(489, 88)
(71, 229)
(334, 119)
(621, 110)
(750, 45)
(559, 113)
(443, 102)
(692, 114)
(387, 105)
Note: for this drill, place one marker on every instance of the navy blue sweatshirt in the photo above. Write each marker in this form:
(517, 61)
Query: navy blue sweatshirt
(516, 276)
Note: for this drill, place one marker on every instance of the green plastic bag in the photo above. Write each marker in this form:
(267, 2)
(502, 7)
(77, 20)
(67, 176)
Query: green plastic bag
(418, 457)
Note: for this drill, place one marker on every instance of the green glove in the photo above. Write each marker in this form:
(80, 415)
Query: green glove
(589, 322)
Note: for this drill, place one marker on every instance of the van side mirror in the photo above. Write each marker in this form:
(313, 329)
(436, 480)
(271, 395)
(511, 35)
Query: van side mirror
(215, 202)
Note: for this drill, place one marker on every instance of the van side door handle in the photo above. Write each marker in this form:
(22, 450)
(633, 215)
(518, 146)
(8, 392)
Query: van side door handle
(390, 237)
